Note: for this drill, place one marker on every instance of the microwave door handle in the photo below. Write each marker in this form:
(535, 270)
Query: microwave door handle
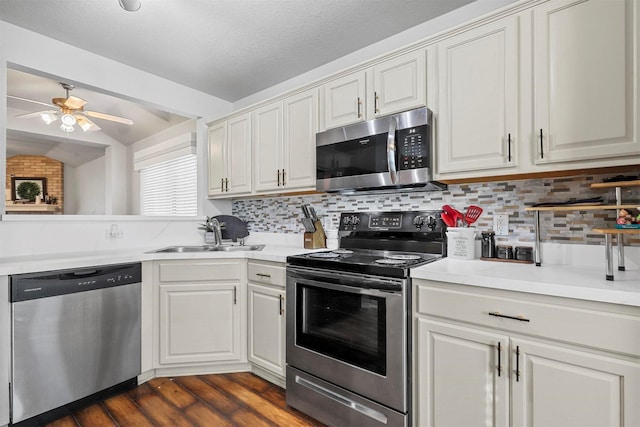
(391, 150)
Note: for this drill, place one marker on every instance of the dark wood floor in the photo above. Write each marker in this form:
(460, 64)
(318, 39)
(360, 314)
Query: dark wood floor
(225, 400)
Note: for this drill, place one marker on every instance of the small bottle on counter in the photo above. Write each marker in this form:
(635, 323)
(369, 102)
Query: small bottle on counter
(488, 249)
(504, 252)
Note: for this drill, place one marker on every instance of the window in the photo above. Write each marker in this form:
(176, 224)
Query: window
(170, 188)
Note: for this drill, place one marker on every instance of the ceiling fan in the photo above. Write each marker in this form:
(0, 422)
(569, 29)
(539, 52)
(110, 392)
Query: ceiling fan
(70, 112)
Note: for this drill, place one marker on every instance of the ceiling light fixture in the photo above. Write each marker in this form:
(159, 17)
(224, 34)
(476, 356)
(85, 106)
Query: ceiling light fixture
(68, 119)
(67, 128)
(130, 5)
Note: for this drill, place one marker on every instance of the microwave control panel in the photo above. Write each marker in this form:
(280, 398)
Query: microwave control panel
(413, 148)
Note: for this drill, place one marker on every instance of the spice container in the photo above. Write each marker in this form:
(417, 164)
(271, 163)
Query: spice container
(504, 252)
(524, 253)
(488, 244)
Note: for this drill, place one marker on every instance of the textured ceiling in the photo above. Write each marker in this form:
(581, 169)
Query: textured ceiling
(226, 48)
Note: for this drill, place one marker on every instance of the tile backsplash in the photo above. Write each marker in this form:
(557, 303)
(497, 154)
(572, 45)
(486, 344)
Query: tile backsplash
(282, 214)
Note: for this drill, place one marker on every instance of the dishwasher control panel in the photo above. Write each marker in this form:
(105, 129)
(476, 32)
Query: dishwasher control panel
(44, 284)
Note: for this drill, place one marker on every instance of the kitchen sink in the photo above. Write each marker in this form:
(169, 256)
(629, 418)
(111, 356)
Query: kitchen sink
(209, 248)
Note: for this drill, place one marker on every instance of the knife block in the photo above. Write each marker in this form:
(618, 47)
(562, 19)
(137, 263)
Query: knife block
(317, 239)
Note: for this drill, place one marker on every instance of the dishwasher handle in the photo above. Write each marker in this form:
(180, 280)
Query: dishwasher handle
(30, 286)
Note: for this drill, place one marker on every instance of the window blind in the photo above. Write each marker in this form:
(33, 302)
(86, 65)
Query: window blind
(170, 188)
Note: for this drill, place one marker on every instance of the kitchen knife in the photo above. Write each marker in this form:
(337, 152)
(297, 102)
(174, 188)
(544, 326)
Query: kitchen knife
(312, 211)
(305, 211)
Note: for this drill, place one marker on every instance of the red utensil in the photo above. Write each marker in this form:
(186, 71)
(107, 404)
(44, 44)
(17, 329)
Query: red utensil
(472, 214)
(448, 219)
(453, 213)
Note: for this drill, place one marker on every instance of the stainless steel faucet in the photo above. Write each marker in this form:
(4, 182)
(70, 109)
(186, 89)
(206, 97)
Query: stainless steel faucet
(217, 233)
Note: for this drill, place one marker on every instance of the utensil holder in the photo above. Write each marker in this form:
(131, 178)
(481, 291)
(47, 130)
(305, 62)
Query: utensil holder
(317, 239)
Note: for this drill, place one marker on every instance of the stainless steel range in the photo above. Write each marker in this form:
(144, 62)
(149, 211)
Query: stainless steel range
(348, 318)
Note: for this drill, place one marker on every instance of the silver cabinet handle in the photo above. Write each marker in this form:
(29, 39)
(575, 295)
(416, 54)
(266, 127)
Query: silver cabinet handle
(541, 146)
(359, 103)
(278, 177)
(521, 318)
(509, 147)
(375, 102)
(281, 298)
(283, 175)
(391, 150)
(235, 295)
(222, 185)
(267, 276)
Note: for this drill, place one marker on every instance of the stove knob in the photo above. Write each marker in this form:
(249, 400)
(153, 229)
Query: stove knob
(355, 220)
(431, 222)
(418, 221)
(346, 220)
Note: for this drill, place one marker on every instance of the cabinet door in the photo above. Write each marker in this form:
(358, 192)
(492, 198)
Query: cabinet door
(585, 87)
(344, 100)
(199, 323)
(267, 328)
(217, 158)
(477, 114)
(267, 145)
(399, 84)
(239, 155)
(458, 379)
(300, 127)
(563, 387)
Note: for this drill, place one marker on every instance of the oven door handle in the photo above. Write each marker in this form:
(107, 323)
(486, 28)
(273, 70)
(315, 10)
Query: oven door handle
(381, 289)
(391, 150)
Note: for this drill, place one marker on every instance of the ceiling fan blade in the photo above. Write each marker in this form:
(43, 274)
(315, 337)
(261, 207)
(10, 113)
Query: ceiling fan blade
(104, 116)
(36, 114)
(30, 100)
(86, 124)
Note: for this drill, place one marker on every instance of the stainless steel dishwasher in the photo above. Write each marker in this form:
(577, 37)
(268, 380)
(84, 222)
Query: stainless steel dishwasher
(74, 333)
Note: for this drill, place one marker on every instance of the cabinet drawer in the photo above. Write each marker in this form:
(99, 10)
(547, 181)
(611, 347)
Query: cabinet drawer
(270, 273)
(550, 319)
(201, 270)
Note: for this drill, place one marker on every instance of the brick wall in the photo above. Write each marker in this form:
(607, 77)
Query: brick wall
(38, 167)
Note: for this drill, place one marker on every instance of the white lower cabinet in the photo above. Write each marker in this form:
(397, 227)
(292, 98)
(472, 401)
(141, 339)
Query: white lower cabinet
(266, 346)
(201, 311)
(459, 383)
(535, 361)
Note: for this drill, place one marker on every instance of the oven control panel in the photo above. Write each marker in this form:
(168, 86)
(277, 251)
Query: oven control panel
(407, 221)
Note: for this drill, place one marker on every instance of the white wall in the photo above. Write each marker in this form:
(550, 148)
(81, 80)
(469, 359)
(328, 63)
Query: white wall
(90, 191)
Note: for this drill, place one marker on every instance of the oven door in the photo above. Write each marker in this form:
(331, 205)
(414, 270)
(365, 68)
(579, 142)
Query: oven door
(350, 330)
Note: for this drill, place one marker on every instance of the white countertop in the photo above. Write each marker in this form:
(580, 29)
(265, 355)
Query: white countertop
(46, 262)
(584, 283)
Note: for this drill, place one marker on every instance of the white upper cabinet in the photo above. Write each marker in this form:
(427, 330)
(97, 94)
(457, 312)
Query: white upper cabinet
(284, 139)
(267, 146)
(344, 100)
(585, 87)
(399, 84)
(395, 85)
(230, 157)
(299, 152)
(477, 84)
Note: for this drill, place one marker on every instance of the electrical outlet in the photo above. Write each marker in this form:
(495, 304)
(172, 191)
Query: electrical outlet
(114, 232)
(501, 224)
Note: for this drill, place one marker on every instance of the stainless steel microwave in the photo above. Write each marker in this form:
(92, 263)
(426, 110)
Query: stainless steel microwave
(392, 152)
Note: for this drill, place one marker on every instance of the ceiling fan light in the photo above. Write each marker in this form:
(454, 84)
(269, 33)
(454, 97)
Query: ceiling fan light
(85, 125)
(130, 5)
(48, 118)
(68, 120)
(67, 128)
